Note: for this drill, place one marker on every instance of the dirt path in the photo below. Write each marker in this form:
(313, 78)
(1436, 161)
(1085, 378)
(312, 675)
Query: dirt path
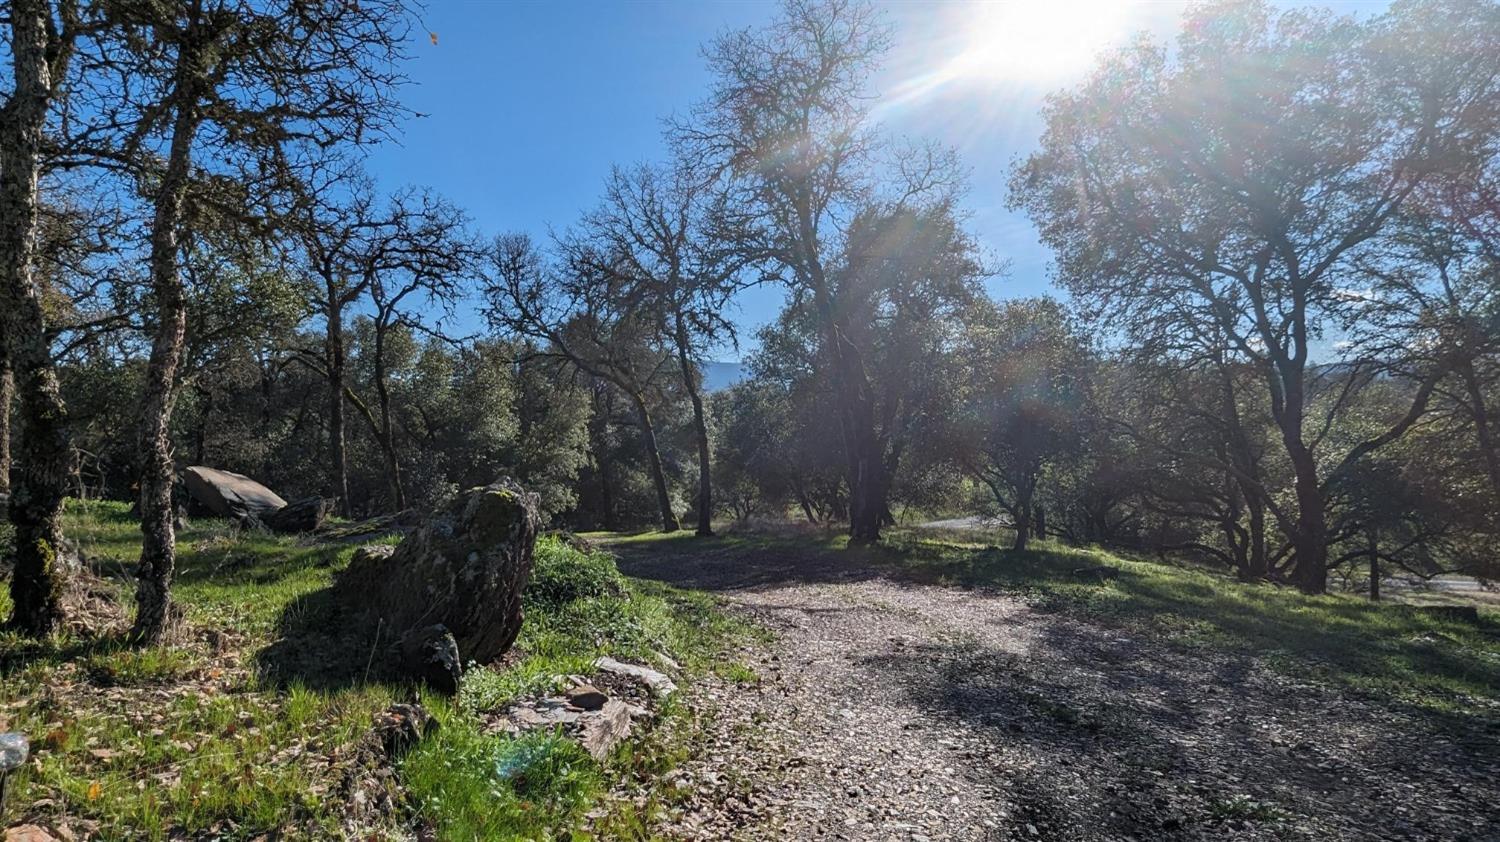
(890, 710)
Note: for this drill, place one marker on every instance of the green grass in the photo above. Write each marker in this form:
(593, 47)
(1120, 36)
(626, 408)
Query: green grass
(1388, 650)
(196, 737)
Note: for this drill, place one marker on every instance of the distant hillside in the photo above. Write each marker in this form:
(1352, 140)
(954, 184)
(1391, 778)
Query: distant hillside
(717, 376)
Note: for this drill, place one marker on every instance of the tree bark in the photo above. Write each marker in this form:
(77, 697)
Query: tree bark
(1023, 518)
(159, 544)
(7, 397)
(37, 489)
(333, 349)
(658, 474)
(700, 428)
(1309, 530)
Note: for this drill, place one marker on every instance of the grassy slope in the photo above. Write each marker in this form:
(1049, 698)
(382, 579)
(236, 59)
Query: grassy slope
(198, 735)
(1386, 650)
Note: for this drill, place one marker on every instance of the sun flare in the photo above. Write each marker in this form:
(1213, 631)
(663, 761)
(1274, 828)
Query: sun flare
(1016, 44)
(1037, 39)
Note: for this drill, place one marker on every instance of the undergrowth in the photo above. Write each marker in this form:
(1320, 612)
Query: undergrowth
(196, 739)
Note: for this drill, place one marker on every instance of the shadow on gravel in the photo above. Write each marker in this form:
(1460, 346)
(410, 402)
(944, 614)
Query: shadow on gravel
(1101, 737)
(737, 562)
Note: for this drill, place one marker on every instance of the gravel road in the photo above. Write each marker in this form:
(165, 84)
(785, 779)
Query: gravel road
(892, 710)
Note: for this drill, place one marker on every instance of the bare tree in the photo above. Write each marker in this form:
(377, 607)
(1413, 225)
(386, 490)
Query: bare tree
(667, 240)
(422, 258)
(787, 117)
(358, 246)
(584, 318)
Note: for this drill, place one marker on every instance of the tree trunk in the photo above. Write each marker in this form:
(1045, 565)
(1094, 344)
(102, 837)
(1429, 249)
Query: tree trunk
(1310, 529)
(37, 489)
(7, 397)
(1023, 518)
(1310, 538)
(1481, 415)
(1041, 522)
(700, 427)
(333, 349)
(1374, 570)
(862, 446)
(658, 475)
(598, 442)
(159, 544)
(1258, 566)
(387, 429)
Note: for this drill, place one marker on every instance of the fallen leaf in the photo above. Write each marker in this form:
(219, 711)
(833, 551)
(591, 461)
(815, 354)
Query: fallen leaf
(95, 790)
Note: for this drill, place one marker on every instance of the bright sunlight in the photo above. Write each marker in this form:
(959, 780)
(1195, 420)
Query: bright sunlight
(1037, 40)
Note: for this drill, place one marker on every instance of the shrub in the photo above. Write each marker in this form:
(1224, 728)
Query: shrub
(563, 575)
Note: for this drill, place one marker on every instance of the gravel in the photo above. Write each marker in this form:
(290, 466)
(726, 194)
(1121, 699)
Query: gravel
(887, 710)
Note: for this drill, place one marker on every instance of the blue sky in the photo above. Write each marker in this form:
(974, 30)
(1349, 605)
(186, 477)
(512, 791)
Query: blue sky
(528, 104)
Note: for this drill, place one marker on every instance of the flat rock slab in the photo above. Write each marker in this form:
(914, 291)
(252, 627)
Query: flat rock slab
(231, 495)
(600, 731)
(659, 683)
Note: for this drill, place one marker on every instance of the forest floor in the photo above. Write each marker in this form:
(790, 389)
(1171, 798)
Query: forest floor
(936, 688)
(247, 723)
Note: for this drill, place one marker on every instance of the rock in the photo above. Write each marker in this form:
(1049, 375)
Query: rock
(601, 731)
(231, 495)
(371, 553)
(586, 696)
(658, 683)
(465, 568)
(431, 655)
(28, 833)
(305, 515)
(399, 728)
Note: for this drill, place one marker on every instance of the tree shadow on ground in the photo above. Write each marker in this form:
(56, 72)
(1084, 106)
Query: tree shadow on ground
(1101, 737)
(1387, 651)
(1390, 652)
(324, 642)
(740, 561)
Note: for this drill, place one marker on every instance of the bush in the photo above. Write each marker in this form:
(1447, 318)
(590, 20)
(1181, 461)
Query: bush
(563, 575)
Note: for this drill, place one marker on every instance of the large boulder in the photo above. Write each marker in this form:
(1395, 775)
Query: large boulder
(464, 569)
(231, 495)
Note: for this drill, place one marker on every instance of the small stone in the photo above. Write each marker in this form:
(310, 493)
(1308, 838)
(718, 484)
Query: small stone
(658, 683)
(28, 833)
(587, 696)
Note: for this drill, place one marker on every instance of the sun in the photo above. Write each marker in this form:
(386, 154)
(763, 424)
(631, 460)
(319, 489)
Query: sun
(1037, 40)
(1015, 44)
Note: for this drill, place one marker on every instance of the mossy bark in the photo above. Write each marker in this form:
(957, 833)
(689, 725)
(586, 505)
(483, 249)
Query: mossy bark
(45, 453)
(7, 398)
(159, 540)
